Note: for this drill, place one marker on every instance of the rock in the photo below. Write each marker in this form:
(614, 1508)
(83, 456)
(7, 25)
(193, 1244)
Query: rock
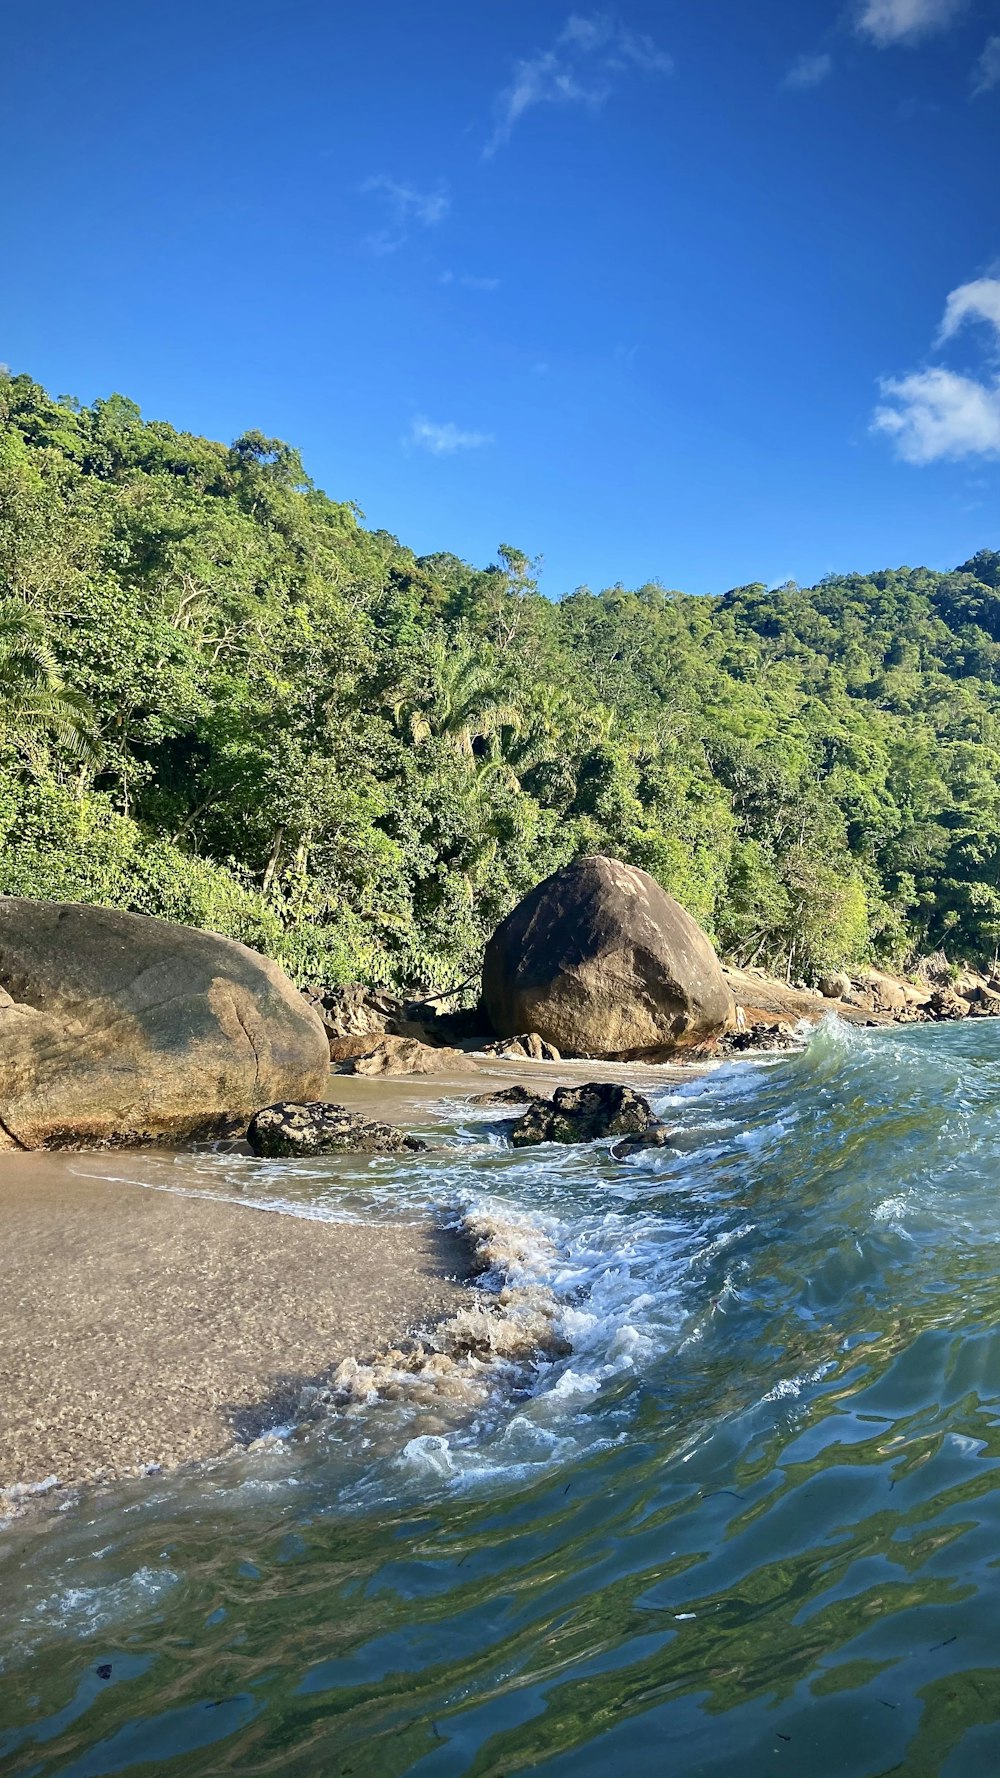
(352, 1010)
(600, 961)
(116, 1028)
(658, 1136)
(321, 1128)
(756, 1037)
(509, 1096)
(944, 1003)
(583, 1114)
(529, 1048)
(763, 999)
(398, 1055)
(984, 1003)
(834, 986)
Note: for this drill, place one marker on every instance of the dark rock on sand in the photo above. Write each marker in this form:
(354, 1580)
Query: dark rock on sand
(529, 1048)
(321, 1128)
(600, 961)
(756, 1037)
(583, 1114)
(117, 1028)
(516, 1095)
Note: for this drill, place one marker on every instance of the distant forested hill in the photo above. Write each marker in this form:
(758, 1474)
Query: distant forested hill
(225, 701)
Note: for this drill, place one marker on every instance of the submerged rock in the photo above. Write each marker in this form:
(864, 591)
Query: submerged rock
(659, 1136)
(117, 1028)
(600, 961)
(322, 1128)
(583, 1114)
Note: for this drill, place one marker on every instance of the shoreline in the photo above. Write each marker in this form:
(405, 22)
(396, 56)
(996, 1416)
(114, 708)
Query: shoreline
(149, 1320)
(145, 1328)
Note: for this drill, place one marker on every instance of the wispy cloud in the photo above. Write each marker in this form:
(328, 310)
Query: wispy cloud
(808, 71)
(906, 21)
(442, 439)
(987, 74)
(938, 413)
(469, 281)
(591, 53)
(403, 205)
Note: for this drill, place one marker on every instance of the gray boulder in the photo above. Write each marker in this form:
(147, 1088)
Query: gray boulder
(600, 961)
(120, 1029)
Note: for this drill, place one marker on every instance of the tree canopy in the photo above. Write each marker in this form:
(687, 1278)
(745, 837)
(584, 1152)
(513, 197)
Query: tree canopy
(224, 700)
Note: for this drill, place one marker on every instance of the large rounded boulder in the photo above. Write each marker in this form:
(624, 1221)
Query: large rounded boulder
(601, 961)
(117, 1028)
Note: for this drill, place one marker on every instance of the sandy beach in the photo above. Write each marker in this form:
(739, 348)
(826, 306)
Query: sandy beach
(141, 1326)
(146, 1326)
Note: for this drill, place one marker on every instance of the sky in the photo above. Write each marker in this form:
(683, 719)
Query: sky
(700, 292)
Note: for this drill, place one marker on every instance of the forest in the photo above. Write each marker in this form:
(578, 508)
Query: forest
(225, 701)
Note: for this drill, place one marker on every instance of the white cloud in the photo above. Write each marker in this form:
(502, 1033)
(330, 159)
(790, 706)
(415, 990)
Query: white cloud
(906, 21)
(442, 439)
(937, 413)
(591, 52)
(404, 205)
(808, 71)
(988, 68)
(977, 301)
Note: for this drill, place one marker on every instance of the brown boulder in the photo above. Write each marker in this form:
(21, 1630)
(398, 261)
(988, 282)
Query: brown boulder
(117, 1028)
(600, 961)
(397, 1055)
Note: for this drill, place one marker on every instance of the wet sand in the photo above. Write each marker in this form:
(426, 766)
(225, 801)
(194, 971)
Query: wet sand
(140, 1326)
(145, 1326)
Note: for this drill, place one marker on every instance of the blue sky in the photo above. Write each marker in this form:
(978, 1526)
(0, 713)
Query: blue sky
(703, 292)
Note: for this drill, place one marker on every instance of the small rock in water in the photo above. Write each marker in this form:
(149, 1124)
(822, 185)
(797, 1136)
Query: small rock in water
(583, 1114)
(321, 1128)
(659, 1136)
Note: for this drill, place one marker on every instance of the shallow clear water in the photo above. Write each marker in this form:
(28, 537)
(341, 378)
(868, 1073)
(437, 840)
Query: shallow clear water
(751, 1524)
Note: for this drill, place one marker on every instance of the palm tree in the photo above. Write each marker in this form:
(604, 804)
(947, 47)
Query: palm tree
(33, 697)
(460, 703)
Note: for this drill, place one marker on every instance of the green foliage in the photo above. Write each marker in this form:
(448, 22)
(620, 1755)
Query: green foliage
(224, 701)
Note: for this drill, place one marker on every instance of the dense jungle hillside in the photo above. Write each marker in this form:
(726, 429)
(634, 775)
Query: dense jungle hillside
(227, 702)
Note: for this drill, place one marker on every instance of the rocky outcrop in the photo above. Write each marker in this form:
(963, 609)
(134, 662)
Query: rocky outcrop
(945, 1004)
(583, 1114)
(834, 986)
(600, 961)
(397, 1055)
(756, 1038)
(529, 1048)
(117, 1028)
(289, 1130)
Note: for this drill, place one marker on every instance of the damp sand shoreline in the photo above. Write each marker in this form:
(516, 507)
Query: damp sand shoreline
(149, 1327)
(145, 1327)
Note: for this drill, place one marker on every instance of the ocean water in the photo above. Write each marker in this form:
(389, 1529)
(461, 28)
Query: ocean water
(748, 1520)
